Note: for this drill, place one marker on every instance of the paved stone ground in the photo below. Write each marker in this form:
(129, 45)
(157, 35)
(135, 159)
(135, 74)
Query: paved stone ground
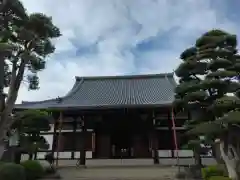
(133, 162)
(127, 169)
(119, 173)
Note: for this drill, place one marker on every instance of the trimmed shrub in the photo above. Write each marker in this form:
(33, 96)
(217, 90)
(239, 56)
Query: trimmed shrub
(33, 169)
(11, 171)
(1, 163)
(219, 178)
(216, 170)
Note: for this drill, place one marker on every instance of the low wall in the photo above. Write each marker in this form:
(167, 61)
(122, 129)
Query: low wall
(177, 153)
(89, 154)
(61, 155)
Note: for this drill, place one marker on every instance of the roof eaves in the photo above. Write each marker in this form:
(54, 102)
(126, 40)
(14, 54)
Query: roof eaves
(162, 75)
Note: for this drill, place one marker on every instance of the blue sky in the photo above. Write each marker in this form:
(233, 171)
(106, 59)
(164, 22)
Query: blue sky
(117, 37)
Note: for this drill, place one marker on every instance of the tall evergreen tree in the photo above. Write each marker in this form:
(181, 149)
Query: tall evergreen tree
(209, 72)
(25, 42)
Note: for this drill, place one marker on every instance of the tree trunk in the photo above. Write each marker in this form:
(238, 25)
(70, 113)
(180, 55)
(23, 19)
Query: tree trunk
(216, 153)
(30, 156)
(230, 157)
(5, 112)
(35, 155)
(154, 147)
(155, 156)
(198, 159)
(18, 154)
(2, 148)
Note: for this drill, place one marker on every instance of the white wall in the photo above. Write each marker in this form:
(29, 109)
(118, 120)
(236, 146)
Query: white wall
(49, 139)
(181, 153)
(41, 155)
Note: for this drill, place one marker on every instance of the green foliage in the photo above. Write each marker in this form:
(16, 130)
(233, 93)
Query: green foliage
(26, 40)
(193, 144)
(190, 68)
(33, 169)
(218, 64)
(217, 37)
(29, 124)
(188, 53)
(215, 57)
(196, 96)
(188, 86)
(219, 178)
(32, 121)
(32, 144)
(209, 71)
(225, 104)
(232, 117)
(206, 128)
(222, 74)
(10, 171)
(210, 171)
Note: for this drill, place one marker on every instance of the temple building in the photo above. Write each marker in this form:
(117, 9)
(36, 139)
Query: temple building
(115, 117)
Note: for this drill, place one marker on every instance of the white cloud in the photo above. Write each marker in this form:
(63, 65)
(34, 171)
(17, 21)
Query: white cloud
(116, 26)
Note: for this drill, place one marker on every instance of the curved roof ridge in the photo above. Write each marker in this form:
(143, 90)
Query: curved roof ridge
(43, 101)
(125, 76)
(78, 83)
(72, 91)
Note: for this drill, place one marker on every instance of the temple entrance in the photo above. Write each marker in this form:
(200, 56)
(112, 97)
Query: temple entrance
(121, 138)
(121, 144)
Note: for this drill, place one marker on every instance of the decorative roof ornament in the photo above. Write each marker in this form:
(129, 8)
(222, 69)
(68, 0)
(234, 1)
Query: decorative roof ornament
(59, 99)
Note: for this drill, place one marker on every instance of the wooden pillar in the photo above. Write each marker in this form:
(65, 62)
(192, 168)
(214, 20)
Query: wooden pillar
(174, 135)
(59, 136)
(54, 146)
(170, 132)
(74, 138)
(94, 144)
(154, 141)
(83, 143)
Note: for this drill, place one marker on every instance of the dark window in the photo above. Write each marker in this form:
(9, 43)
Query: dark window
(88, 141)
(165, 139)
(67, 142)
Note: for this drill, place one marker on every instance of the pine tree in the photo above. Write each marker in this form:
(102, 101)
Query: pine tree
(29, 124)
(209, 72)
(25, 42)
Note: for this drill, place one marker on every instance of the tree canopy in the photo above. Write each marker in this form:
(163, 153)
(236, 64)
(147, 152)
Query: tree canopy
(29, 124)
(209, 86)
(25, 44)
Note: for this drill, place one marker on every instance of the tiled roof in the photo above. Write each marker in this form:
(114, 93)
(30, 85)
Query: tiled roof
(113, 92)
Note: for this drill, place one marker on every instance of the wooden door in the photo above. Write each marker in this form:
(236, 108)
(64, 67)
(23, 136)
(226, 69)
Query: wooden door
(103, 146)
(141, 146)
